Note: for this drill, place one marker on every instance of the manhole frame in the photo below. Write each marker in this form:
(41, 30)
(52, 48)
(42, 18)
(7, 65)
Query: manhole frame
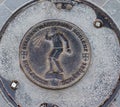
(100, 13)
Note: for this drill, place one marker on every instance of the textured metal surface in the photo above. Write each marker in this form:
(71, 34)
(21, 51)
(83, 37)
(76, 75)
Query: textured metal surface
(47, 52)
(107, 21)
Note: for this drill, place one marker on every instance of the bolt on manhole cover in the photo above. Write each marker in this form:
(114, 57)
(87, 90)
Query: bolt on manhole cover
(49, 45)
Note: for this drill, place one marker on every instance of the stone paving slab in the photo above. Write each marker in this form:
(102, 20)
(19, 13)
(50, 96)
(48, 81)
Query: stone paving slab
(99, 2)
(4, 14)
(15, 4)
(112, 7)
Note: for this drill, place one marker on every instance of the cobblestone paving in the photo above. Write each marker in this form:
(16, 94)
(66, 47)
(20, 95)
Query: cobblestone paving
(112, 7)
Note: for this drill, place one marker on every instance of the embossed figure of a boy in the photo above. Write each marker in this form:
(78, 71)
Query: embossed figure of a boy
(58, 39)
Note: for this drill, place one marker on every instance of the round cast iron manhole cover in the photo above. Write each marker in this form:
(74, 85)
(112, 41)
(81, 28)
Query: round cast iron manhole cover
(55, 54)
(56, 42)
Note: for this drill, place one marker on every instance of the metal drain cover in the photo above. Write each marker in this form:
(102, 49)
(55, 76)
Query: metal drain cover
(61, 53)
(48, 50)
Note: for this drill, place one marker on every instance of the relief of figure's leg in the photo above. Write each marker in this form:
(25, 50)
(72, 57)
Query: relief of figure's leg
(58, 66)
(51, 65)
(51, 59)
(52, 73)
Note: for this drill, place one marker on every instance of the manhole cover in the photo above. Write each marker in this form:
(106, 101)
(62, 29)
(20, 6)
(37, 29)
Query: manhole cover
(49, 45)
(48, 50)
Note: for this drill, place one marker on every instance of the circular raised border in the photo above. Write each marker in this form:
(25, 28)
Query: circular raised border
(99, 12)
(41, 80)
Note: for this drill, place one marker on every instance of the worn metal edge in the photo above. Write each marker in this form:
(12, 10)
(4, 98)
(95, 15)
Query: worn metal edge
(7, 95)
